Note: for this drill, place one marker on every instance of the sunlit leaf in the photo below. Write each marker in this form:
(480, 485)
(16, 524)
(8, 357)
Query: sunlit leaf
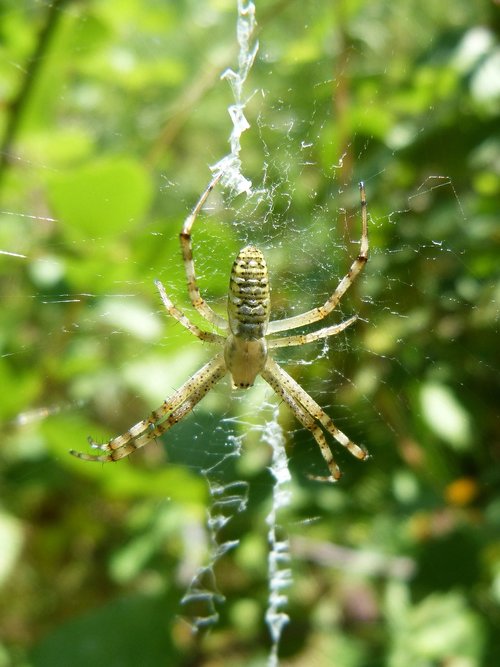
(105, 198)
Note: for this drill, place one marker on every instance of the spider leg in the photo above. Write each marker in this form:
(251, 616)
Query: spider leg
(302, 339)
(171, 411)
(180, 317)
(306, 419)
(187, 253)
(356, 267)
(285, 385)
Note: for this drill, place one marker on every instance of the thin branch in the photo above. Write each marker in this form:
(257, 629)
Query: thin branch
(33, 67)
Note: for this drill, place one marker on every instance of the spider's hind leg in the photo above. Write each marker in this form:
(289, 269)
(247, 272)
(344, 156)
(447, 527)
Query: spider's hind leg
(308, 412)
(307, 420)
(163, 418)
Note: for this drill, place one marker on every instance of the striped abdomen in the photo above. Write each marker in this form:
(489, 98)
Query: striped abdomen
(249, 303)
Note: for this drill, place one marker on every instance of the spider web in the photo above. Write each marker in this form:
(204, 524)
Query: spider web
(308, 249)
(231, 498)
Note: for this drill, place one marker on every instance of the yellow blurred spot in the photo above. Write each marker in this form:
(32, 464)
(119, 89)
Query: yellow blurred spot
(461, 492)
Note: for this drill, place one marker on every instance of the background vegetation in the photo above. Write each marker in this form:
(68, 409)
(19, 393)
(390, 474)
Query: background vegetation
(110, 114)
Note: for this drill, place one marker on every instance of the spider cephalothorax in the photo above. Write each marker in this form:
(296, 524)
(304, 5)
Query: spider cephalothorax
(246, 347)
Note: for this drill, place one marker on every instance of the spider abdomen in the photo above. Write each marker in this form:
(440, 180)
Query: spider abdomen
(249, 302)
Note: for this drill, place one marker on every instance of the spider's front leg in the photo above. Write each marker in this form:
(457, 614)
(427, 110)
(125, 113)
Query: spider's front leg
(187, 254)
(332, 302)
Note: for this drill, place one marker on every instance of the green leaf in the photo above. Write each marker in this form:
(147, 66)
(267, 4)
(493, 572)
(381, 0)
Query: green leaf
(103, 198)
(120, 479)
(128, 631)
(445, 415)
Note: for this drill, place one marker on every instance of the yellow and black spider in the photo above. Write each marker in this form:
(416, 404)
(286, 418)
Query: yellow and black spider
(245, 348)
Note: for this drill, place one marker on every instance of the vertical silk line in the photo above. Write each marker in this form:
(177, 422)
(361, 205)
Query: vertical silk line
(279, 572)
(202, 597)
(230, 165)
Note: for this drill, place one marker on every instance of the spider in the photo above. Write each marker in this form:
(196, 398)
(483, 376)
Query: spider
(244, 350)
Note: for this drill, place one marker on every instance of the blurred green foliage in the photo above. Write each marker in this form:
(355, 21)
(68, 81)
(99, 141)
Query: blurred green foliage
(110, 114)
